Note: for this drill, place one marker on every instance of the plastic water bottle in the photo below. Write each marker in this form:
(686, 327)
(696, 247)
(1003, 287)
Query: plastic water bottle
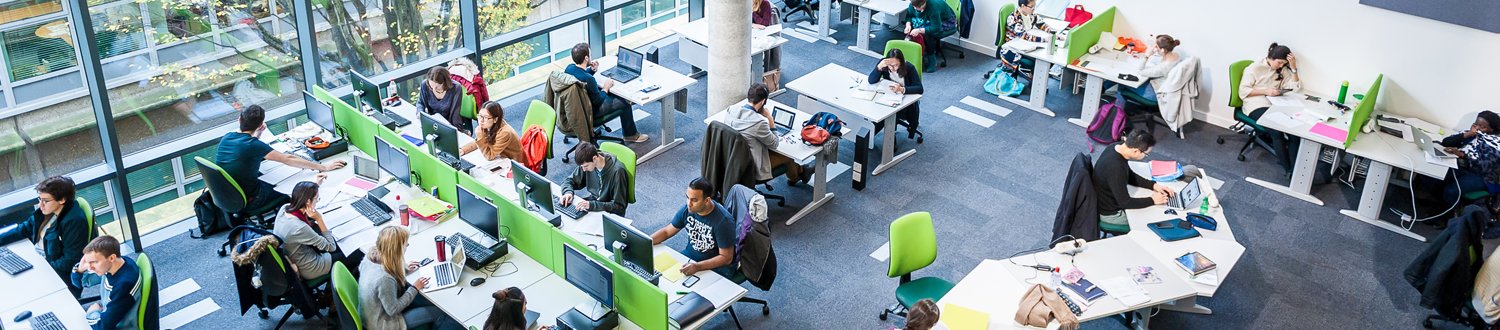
(1203, 208)
(1056, 277)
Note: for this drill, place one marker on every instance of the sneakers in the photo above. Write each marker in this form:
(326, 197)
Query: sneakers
(638, 138)
(807, 174)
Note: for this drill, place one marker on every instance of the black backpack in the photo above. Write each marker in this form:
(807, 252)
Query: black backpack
(211, 219)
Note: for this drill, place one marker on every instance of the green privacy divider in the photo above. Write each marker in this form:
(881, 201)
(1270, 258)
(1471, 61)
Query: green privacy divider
(528, 232)
(358, 128)
(430, 172)
(1363, 111)
(1087, 34)
(635, 299)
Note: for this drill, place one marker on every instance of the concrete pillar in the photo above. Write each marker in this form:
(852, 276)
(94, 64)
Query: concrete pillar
(728, 52)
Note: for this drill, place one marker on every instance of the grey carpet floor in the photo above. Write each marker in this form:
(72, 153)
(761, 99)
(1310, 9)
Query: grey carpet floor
(992, 192)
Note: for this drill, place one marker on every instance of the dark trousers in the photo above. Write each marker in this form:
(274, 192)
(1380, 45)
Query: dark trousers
(1286, 145)
(615, 105)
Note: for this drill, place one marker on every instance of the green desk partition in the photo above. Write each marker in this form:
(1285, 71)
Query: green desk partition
(358, 128)
(429, 171)
(1087, 34)
(635, 298)
(1363, 111)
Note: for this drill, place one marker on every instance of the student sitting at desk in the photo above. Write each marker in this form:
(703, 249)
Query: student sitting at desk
(894, 67)
(928, 25)
(119, 288)
(509, 311)
(923, 315)
(711, 232)
(753, 120)
(240, 153)
(604, 178)
(385, 300)
(439, 96)
(1022, 20)
(1272, 76)
(304, 234)
(495, 138)
(1478, 151)
(1160, 59)
(761, 15)
(583, 69)
(1112, 175)
(58, 228)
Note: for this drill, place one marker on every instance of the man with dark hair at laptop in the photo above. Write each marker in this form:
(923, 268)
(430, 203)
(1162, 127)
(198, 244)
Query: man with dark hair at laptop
(604, 178)
(710, 229)
(1112, 175)
(753, 121)
(583, 69)
(241, 152)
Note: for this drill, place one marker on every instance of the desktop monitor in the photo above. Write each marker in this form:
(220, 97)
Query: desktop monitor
(393, 160)
(479, 213)
(319, 113)
(589, 275)
(1363, 111)
(533, 187)
(442, 136)
(367, 90)
(637, 245)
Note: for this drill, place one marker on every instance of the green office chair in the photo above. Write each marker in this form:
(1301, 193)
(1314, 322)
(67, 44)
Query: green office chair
(627, 158)
(1109, 229)
(466, 106)
(228, 195)
(913, 246)
(541, 114)
(1245, 124)
(1005, 11)
(346, 298)
(147, 308)
(88, 215)
(912, 51)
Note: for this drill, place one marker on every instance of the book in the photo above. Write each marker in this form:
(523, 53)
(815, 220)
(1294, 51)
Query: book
(1085, 289)
(1195, 263)
(1165, 170)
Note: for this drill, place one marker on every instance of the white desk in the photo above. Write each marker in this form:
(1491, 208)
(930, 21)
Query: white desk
(692, 47)
(862, 37)
(1105, 259)
(989, 289)
(828, 88)
(59, 303)
(1040, 72)
(1308, 151)
(1385, 153)
(1108, 65)
(1218, 245)
(792, 147)
(32, 284)
(670, 83)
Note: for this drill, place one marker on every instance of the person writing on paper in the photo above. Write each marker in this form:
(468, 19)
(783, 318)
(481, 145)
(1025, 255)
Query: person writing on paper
(59, 228)
(711, 232)
(385, 300)
(1112, 178)
(603, 176)
(441, 96)
(495, 138)
(1478, 151)
(240, 154)
(894, 67)
(119, 280)
(309, 245)
(1272, 76)
(927, 25)
(753, 121)
(509, 311)
(583, 69)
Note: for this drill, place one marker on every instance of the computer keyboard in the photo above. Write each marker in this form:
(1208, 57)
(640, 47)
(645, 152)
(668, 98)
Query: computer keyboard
(568, 210)
(12, 263)
(472, 250)
(463, 165)
(47, 321)
(445, 274)
(377, 214)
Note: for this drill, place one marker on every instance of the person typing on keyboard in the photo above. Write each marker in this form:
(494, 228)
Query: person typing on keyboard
(604, 178)
(385, 300)
(710, 231)
(57, 227)
(309, 245)
(119, 289)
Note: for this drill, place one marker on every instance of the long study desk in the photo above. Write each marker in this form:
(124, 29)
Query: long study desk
(829, 88)
(1107, 65)
(1296, 120)
(866, 8)
(37, 290)
(791, 146)
(693, 45)
(1387, 153)
(1040, 71)
(671, 91)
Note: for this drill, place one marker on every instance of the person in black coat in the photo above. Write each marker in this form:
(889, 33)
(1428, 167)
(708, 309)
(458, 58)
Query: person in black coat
(58, 227)
(894, 67)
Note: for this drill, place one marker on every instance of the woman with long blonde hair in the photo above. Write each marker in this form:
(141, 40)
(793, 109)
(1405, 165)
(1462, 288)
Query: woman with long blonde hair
(386, 302)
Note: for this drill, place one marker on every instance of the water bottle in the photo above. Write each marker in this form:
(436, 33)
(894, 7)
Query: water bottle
(1203, 208)
(401, 211)
(1343, 90)
(1056, 277)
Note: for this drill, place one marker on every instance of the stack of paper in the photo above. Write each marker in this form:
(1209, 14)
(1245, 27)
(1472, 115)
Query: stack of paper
(1125, 290)
(957, 317)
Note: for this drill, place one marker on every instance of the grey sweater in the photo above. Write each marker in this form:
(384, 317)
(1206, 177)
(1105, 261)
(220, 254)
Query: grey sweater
(757, 132)
(380, 304)
(606, 186)
(305, 247)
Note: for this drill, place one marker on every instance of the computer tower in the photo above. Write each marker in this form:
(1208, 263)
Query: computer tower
(860, 169)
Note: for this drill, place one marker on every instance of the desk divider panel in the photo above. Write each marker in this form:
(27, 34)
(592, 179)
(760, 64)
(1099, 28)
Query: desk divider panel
(430, 171)
(1087, 34)
(635, 298)
(358, 128)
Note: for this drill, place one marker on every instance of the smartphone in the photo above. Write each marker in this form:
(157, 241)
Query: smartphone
(1164, 225)
(1286, 90)
(424, 262)
(689, 281)
(649, 89)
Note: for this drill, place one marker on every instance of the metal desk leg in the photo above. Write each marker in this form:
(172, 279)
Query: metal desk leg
(669, 106)
(1093, 91)
(1187, 305)
(1302, 174)
(1372, 198)
(888, 157)
(862, 35)
(1142, 319)
(823, 20)
(1038, 100)
(820, 190)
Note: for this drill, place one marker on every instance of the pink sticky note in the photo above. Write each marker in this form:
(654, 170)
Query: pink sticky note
(361, 184)
(1335, 133)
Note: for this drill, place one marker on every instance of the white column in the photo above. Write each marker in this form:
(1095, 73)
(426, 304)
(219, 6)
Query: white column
(728, 52)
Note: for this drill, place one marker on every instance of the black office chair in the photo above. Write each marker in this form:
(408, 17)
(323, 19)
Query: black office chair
(281, 284)
(233, 199)
(1445, 279)
(779, 171)
(599, 134)
(805, 6)
(758, 230)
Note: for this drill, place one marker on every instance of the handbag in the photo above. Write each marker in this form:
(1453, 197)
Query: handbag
(1076, 16)
(814, 135)
(1004, 83)
(772, 79)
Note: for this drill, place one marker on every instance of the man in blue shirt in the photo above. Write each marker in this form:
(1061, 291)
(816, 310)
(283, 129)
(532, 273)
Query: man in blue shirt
(583, 69)
(241, 152)
(120, 288)
(711, 232)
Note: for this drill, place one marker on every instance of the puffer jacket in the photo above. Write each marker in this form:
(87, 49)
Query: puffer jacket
(575, 115)
(726, 158)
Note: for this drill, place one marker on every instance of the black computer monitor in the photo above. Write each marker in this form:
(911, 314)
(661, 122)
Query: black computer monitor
(534, 187)
(478, 213)
(442, 136)
(367, 90)
(589, 275)
(320, 113)
(637, 245)
(393, 160)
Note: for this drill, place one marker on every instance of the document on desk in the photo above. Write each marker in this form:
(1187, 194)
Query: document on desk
(1285, 101)
(339, 217)
(957, 317)
(1281, 119)
(1333, 133)
(278, 174)
(715, 288)
(668, 266)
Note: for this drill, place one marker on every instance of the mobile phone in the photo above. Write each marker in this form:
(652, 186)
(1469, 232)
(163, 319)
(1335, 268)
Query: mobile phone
(689, 281)
(1286, 90)
(1164, 225)
(424, 262)
(651, 88)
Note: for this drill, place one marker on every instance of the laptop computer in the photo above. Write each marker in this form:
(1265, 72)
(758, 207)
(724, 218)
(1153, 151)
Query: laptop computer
(628, 67)
(1433, 149)
(785, 120)
(1189, 195)
(445, 274)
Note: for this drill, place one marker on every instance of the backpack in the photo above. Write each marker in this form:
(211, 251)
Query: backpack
(211, 219)
(1108, 124)
(534, 147)
(817, 130)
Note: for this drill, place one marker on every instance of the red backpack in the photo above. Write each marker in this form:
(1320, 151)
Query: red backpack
(534, 147)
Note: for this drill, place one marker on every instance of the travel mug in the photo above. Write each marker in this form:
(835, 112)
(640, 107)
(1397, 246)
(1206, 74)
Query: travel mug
(442, 249)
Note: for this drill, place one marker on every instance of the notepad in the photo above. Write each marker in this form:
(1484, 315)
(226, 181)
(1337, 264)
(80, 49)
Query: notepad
(962, 318)
(1334, 133)
(1163, 167)
(1285, 101)
(428, 206)
(668, 266)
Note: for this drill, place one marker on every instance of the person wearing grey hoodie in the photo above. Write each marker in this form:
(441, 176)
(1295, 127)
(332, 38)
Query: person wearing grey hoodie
(753, 121)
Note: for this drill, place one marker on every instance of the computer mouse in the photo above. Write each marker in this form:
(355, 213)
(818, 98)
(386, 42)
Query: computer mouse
(1170, 211)
(477, 281)
(23, 316)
